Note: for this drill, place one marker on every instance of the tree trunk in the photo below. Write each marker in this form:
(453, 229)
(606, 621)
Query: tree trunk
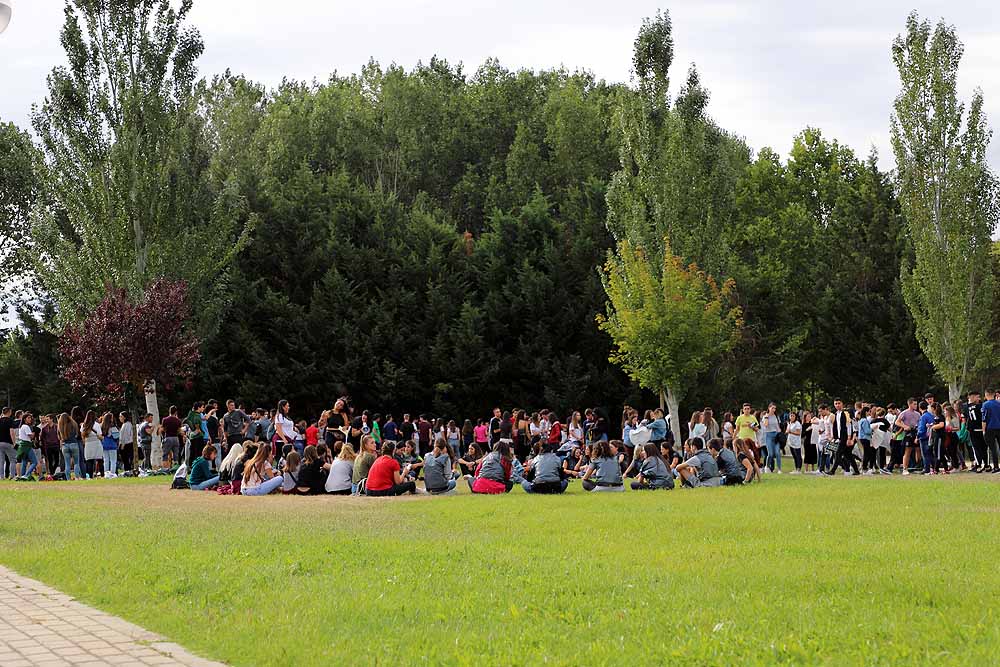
(675, 416)
(663, 398)
(955, 388)
(153, 408)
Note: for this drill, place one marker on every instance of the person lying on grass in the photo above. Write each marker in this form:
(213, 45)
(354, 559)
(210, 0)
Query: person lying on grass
(545, 472)
(438, 476)
(700, 469)
(653, 470)
(258, 478)
(493, 474)
(604, 472)
(201, 476)
(385, 478)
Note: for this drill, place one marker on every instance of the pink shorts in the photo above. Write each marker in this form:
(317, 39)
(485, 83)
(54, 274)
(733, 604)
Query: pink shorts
(482, 485)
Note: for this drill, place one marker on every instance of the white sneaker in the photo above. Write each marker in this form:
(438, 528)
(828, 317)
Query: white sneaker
(848, 473)
(779, 472)
(906, 472)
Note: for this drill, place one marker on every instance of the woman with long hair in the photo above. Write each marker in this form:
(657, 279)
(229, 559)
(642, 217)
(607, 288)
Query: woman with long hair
(284, 429)
(195, 434)
(654, 473)
(69, 441)
(77, 415)
(770, 426)
(228, 466)
(604, 472)
(493, 474)
(109, 429)
(809, 454)
(522, 446)
(258, 478)
(696, 427)
(468, 436)
(126, 440)
(794, 432)
(93, 449)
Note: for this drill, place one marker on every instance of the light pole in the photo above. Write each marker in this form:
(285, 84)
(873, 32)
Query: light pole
(5, 10)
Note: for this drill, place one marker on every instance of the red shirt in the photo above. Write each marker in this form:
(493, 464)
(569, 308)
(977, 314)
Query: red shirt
(380, 476)
(555, 433)
(312, 435)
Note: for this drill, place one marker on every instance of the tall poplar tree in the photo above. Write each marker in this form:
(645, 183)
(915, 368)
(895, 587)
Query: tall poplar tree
(127, 165)
(949, 199)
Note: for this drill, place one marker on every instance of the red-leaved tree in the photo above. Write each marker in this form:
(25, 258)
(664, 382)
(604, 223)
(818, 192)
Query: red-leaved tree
(124, 343)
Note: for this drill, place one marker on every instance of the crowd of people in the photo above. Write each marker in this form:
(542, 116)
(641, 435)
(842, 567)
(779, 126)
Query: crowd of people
(233, 450)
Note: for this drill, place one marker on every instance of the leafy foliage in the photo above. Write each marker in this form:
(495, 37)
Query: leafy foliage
(950, 201)
(124, 342)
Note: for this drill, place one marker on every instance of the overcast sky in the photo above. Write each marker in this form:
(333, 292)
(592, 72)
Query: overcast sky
(773, 67)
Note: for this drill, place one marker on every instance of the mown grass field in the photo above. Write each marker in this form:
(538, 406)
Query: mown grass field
(859, 571)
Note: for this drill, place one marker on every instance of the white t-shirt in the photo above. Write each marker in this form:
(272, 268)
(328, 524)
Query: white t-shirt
(794, 433)
(575, 433)
(24, 433)
(283, 424)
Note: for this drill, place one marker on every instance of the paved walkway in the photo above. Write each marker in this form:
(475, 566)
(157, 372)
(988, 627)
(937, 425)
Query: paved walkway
(40, 626)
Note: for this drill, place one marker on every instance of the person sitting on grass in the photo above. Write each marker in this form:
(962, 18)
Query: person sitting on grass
(547, 474)
(363, 462)
(409, 460)
(201, 476)
(700, 469)
(385, 477)
(745, 457)
(673, 457)
(437, 468)
(312, 475)
(290, 470)
(493, 474)
(573, 465)
(468, 463)
(258, 478)
(654, 473)
(604, 472)
(729, 466)
(338, 481)
(227, 469)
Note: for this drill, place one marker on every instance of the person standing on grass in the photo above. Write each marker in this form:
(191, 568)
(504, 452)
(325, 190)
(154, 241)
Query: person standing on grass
(991, 431)
(49, 440)
(201, 476)
(604, 472)
(195, 434)
(385, 477)
(908, 423)
(284, 429)
(109, 444)
(880, 439)
(865, 438)
(770, 427)
(126, 441)
(258, 477)
(25, 441)
(841, 435)
(69, 436)
(793, 433)
(923, 437)
(93, 448)
(234, 423)
(8, 453)
(494, 427)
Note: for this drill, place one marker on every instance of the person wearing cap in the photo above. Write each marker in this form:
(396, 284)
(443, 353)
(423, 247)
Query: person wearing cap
(385, 476)
(700, 469)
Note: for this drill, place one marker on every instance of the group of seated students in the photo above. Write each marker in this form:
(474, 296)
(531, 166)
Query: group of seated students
(254, 469)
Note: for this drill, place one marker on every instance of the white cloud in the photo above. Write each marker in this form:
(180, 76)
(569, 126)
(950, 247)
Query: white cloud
(773, 66)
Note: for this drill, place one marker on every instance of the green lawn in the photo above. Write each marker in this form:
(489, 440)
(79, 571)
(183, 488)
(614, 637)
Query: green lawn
(856, 571)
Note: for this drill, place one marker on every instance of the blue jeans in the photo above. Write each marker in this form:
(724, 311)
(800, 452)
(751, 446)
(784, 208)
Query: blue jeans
(773, 451)
(265, 487)
(208, 483)
(71, 458)
(450, 487)
(110, 461)
(927, 454)
(81, 460)
(32, 464)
